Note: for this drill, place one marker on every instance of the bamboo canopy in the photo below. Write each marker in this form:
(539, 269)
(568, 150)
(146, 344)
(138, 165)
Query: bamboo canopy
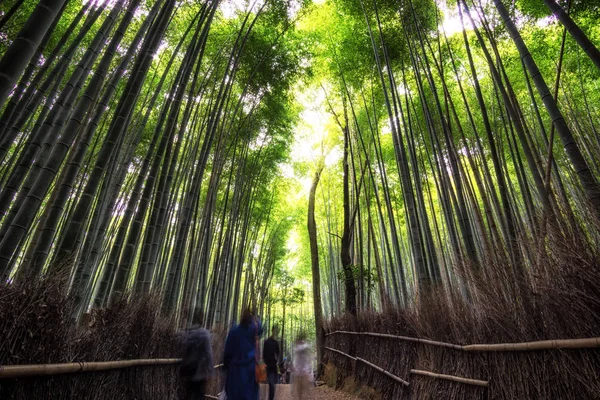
(585, 343)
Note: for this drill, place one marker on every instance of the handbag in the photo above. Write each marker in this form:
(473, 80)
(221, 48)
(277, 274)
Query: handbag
(260, 368)
(261, 373)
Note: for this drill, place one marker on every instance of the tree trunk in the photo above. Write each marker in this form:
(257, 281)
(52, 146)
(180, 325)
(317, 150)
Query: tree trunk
(350, 284)
(21, 50)
(580, 165)
(316, 273)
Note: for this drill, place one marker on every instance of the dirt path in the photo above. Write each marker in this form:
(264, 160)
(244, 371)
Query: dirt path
(283, 392)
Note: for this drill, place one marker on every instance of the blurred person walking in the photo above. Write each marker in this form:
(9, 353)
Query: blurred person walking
(197, 360)
(240, 359)
(270, 357)
(302, 367)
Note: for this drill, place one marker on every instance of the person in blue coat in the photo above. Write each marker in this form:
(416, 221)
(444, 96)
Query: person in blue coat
(240, 359)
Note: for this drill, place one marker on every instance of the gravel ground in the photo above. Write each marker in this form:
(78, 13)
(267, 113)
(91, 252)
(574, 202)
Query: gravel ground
(283, 392)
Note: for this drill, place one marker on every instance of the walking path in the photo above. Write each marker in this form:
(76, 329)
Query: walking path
(284, 392)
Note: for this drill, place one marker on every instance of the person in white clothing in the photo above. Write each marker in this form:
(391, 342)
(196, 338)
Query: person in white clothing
(303, 371)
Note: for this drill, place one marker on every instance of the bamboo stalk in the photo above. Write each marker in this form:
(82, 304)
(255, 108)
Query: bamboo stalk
(586, 343)
(453, 378)
(394, 377)
(20, 371)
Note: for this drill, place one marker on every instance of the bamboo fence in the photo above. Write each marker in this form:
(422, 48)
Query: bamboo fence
(430, 374)
(30, 370)
(586, 343)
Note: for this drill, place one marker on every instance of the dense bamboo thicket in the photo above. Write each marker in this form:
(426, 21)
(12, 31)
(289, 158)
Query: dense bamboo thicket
(139, 148)
(156, 147)
(465, 208)
(460, 152)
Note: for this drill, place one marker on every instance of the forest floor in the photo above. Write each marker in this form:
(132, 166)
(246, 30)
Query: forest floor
(284, 392)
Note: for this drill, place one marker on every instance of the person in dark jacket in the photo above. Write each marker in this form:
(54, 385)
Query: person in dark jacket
(197, 360)
(270, 357)
(240, 359)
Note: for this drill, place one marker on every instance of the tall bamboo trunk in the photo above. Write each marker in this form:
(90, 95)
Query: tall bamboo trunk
(21, 50)
(580, 165)
(316, 273)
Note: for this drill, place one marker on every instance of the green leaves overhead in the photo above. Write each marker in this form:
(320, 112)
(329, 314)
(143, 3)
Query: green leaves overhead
(579, 8)
(187, 164)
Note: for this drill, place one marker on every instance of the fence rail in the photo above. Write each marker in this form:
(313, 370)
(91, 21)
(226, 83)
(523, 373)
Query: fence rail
(22, 371)
(383, 371)
(558, 344)
(459, 379)
(28, 370)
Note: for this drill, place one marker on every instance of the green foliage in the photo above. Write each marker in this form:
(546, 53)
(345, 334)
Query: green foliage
(282, 81)
(537, 9)
(360, 274)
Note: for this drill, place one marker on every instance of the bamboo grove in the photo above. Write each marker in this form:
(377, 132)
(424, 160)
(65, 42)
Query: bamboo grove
(465, 159)
(139, 149)
(142, 145)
